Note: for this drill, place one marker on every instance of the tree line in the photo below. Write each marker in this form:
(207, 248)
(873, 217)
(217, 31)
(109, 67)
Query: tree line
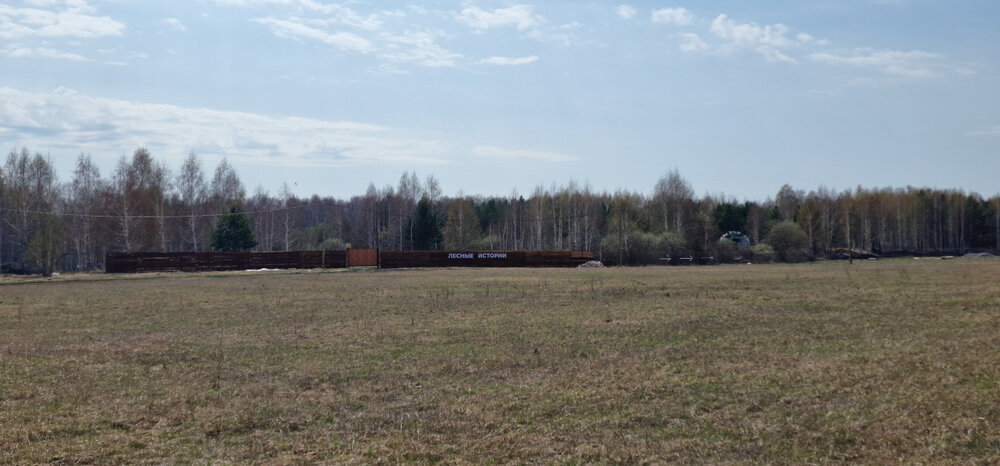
(142, 205)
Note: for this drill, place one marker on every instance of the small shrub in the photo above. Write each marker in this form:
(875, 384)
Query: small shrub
(789, 242)
(724, 251)
(762, 253)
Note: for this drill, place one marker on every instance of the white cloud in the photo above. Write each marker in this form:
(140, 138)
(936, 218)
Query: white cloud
(775, 41)
(507, 61)
(19, 51)
(626, 11)
(994, 131)
(562, 35)
(678, 16)
(804, 38)
(253, 3)
(415, 45)
(74, 5)
(410, 47)
(64, 121)
(174, 23)
(914, 64)
(422, 49)
(304, 4)
(341, 40)
(418, 9)
(522, 17)
(767, 40)
(61, 19)
(691, 42)
(348, 17)
(498, 153)
(337, 14)
(386, 68)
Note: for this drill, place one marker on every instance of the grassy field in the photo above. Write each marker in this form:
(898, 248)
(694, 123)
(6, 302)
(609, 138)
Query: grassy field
(882, 361)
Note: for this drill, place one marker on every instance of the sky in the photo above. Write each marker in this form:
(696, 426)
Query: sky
(739, 96)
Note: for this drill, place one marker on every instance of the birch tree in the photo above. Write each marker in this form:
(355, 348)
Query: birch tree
(462, 226)
(83, 199)
(193, 193)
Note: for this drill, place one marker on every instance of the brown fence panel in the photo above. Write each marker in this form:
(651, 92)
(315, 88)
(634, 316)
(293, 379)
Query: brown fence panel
(319, 259)
(399, 259)
(557, 258)
(211, 261)
(362, 257)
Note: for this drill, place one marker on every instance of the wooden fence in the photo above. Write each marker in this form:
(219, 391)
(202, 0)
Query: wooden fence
(362, 257)
(208, 261)
(212, 261)
(400, 259)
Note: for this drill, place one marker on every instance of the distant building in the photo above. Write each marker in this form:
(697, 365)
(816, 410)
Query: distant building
(741, 241)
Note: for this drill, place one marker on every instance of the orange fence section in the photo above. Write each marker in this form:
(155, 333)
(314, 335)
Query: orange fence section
(362, 257)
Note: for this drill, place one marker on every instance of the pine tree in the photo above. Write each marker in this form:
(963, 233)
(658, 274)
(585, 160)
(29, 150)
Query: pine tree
(233, 232)
(427, 226)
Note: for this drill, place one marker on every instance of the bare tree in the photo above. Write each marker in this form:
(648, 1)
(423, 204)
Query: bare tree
(286, 198)
(622, 216)
(193, 194)
(226, 186)
(151, 183)
(83, 198)
(788, 201)
(266, 218)
(432, 188)
(140, 187)
(462, 225)
(409, 191)
(122, 187)
(370, 207)
(30, 194)
(672, 195)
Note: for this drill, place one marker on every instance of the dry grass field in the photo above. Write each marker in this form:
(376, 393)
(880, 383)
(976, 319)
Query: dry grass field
(879, 362)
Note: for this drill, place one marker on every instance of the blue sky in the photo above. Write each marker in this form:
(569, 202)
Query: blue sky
(740, 96)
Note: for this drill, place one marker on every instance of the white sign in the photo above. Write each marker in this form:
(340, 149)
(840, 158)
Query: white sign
(480, 255)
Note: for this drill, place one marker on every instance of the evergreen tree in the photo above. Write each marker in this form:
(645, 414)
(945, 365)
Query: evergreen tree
(233, 232)
(427, 226)
(732, 216)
